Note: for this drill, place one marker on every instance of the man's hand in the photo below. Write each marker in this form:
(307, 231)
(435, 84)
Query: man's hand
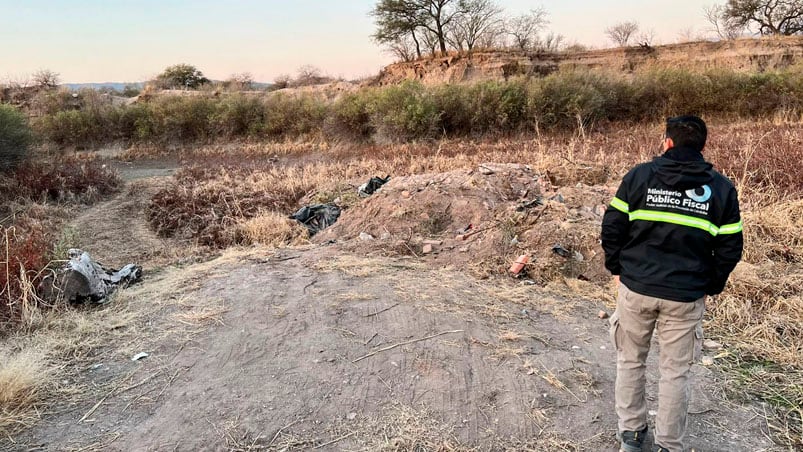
(616, 280)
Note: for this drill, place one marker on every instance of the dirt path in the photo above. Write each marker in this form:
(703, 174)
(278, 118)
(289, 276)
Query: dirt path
(300, 351)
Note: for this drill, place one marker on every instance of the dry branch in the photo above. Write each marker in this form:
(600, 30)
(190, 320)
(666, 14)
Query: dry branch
(390, 347)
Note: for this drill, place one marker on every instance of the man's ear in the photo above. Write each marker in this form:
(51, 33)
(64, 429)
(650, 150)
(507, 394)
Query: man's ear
(668, 144)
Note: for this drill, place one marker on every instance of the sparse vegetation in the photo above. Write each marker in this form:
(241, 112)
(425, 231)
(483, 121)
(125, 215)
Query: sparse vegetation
(568, 100)
(621, 33)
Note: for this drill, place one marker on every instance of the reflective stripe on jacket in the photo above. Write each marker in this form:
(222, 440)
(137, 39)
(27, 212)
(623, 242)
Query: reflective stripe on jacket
(673, 230)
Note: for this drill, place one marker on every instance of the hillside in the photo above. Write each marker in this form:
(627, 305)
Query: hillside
(744, 55)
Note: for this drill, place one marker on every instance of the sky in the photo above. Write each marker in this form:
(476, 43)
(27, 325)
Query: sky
(133, 40)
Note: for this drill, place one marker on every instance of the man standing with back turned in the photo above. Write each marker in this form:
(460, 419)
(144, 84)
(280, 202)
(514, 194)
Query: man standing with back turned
(672, 235)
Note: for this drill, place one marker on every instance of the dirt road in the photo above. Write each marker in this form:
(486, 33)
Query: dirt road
(316, 349)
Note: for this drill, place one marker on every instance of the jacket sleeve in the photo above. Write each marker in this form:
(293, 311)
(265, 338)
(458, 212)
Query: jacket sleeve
(616, 226)
(728, 244)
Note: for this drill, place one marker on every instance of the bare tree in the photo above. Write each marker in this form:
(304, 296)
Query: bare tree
(281, 82)
(646, 38)
(493, 38)
(770, 17)
(524, 29)
(404, 48)
(687, 34)
(476, 19)
(241, 81)
(309, 75)
(722, 24)
(621, 33)
(551, 43)
(45, 78)
(429, 40)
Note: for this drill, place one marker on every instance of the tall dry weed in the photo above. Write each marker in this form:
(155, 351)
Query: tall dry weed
(273, 229)
(24, 379)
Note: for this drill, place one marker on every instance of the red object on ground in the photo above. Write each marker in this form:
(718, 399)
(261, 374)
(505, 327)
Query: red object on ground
(518, 266)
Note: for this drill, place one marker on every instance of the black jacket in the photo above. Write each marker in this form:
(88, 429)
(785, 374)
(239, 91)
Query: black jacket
(673, 231)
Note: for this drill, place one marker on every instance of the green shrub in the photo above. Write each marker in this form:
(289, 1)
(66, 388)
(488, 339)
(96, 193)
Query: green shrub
(73, 128)
(239, 116)
(498, 106)
(15, 137)
(349, 118)
(569, 99)
(453, 102)
(294, 115)
(405, 112)
(180, 119)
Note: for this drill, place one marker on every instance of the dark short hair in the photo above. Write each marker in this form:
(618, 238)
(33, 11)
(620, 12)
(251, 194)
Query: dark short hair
(687, 131)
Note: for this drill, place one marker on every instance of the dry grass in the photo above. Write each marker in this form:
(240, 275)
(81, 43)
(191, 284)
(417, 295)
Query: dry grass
(25, 379)
(193, 314)
(273, 229)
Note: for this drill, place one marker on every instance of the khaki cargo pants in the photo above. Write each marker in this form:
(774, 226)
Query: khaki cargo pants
(679, 330)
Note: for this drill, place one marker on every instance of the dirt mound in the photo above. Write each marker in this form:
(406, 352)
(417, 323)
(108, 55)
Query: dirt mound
(740, 55)
(482, 219)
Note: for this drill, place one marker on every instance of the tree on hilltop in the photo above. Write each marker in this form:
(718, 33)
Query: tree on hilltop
(476, 19)
(45, 78)
(621, 33)
(396, 20)
(725, 26)
(771, 17)
(524, 29)
(181, 76)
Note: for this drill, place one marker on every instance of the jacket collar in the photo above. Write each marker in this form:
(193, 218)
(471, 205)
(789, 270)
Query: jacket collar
(684, 154)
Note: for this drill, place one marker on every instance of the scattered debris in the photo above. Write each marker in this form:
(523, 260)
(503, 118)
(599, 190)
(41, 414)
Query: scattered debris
(558, 198)
(476, 217)
(375, 183)
(603, 315)
(712, 345)
(139, 356)
(485, 171)
(317, 217)
(518, 266)
(524, 205)
(82, 279)
(707, 361)
(561, 251)
(427, 249)
(364, 236)
(465, 229)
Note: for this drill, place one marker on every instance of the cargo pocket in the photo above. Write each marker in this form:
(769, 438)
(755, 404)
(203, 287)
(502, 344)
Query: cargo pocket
(614, 330)
(698, 343)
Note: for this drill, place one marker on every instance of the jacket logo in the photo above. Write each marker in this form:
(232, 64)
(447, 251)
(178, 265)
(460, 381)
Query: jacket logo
(700, 194)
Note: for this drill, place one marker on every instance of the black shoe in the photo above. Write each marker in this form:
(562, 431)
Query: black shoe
(632, 441)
